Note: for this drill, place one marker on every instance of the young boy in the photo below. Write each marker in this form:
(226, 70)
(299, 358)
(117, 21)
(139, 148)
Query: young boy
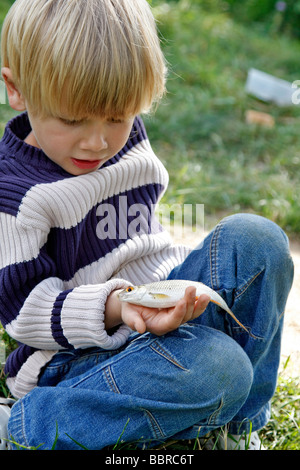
(79, 181)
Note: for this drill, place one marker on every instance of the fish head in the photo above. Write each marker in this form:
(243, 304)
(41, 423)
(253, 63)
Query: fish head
(132, 294)
(141, 295)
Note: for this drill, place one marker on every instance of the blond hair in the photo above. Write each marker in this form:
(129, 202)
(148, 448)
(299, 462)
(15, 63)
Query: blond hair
(89, 57)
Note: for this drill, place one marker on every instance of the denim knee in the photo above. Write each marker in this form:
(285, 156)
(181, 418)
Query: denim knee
(219, 369)
(259, 235)
(258, 244)
(232, 369)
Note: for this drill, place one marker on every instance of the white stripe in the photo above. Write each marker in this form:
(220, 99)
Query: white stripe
(17, 243)
(113, 262)
(27, 377)
(155, 266)
(82, 317)
(33, 324)
(65, 203)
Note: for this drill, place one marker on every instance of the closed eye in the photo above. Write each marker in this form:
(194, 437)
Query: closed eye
(115, 121)
(71, 122)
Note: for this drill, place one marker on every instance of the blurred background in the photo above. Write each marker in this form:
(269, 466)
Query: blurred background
(214, 154)
(217, 152)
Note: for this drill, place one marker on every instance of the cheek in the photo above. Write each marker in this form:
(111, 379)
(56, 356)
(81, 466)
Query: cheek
(118, 138)
(55, 147)
(59, 141)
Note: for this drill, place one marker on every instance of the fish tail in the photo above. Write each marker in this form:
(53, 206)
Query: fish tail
(227, 309)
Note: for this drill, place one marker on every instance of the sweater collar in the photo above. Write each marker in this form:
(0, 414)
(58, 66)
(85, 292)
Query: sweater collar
(16, 130)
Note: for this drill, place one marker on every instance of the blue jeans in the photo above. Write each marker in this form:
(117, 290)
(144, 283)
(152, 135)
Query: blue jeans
(205, 374)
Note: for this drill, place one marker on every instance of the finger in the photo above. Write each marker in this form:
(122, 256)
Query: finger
(139, 325)
(173, 318)
(133, 319)
(201, 305)
(190, 299)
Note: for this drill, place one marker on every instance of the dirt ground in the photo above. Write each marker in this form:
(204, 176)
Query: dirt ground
(291, 334)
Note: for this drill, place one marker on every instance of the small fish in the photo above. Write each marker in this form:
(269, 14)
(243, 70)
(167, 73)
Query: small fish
(165, 294)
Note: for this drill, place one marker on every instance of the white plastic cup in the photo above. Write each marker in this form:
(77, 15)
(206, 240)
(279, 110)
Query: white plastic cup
(268, 88)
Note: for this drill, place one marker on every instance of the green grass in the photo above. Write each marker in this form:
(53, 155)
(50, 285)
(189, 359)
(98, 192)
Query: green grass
(283, 430)
(4, 6)
(213, 156)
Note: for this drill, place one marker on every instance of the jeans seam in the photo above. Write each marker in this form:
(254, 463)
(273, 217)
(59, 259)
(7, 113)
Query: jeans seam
(281, 315)
(162, 352)
(23, 425)
(110, 380)
(213, 416)
(257, 421)
(213, 257)
(156, 429)
(248, 284)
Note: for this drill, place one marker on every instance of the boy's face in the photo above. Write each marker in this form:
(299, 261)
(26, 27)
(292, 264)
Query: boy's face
(82, 146)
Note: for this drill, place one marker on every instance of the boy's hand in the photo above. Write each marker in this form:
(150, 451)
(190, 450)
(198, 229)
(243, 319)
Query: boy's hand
(161, 321)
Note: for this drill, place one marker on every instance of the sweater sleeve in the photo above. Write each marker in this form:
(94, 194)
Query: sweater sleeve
(36, 308)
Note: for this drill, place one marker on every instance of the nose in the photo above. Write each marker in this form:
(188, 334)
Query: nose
(94, 139)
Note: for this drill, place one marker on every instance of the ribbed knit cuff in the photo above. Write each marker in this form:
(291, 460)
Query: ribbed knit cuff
(83, 317)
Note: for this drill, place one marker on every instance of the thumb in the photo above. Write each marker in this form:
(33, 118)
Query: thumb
(133, 318)
(139, 325)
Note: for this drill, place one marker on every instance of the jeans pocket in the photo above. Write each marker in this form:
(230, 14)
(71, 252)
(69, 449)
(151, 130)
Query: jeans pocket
(242, 289)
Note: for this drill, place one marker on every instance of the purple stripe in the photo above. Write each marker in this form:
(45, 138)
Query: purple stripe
(18, 280)
(17, 358)
(57, 331)
(74, 248)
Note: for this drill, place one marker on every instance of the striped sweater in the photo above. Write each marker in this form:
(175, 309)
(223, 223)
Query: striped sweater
(67, 241)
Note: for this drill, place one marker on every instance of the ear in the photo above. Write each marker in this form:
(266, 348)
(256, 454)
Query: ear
(15, 97)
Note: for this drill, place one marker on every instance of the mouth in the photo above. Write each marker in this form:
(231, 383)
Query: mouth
(85, 164)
